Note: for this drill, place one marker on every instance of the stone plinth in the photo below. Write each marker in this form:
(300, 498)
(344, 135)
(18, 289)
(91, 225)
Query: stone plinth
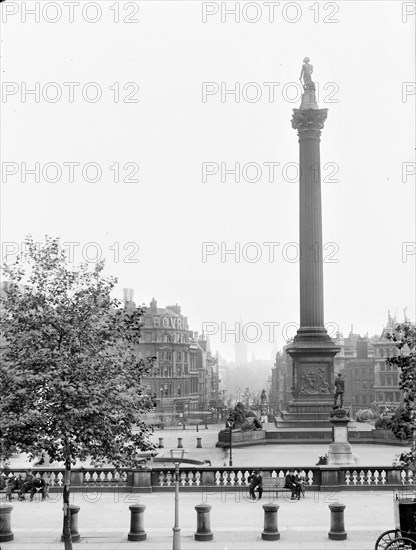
(340, 450)
(312, 354)
(309, 100)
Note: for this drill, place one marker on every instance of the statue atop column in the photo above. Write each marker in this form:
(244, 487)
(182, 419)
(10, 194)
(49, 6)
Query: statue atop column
(309, 88)
(306, 73)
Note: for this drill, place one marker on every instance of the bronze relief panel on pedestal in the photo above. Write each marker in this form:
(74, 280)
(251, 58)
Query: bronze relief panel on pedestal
(313, 379)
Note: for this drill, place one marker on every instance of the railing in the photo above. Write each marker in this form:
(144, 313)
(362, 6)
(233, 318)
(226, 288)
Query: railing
(162, 478)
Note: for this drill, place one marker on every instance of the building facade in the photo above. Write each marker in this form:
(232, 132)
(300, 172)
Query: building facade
(387, 377)
(184, 378)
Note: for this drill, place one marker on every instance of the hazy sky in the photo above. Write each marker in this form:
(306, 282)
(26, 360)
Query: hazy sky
(152, 123)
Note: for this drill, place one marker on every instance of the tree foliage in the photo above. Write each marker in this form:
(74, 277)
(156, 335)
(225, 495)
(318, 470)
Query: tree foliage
(404, 421)
(70, 379)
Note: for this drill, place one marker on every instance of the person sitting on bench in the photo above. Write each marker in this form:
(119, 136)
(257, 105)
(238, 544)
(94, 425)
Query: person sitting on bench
(38, 485)
(300, 480)
(14, 483)
(26, 484)
(292, 484)
(255, 481)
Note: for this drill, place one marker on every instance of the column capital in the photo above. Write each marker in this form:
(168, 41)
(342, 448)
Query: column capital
(309, 122)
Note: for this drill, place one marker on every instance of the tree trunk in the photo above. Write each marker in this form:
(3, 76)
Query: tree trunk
(66, 531)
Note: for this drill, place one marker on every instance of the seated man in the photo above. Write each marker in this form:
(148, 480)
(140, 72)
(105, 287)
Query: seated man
(292, 484)
(14, 483)
(255, 481)
(26, 485)
(38, 484)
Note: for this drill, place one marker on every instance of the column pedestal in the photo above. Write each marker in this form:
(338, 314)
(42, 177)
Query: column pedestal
(340, 450)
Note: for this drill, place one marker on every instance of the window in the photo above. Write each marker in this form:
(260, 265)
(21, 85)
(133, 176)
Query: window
(179, 355)
(156, 322)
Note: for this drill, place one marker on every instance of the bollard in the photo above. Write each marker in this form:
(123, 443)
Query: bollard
(270, 531)
(180, 446)
(337, 531)
(203, 522)
(137, 531)
(5, 522)
(161, 446)
(73, 511)
(183, 425)
(198, 442)
(197, 428)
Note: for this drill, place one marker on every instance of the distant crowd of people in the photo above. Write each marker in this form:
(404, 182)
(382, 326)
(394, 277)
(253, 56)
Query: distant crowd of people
(22, 484)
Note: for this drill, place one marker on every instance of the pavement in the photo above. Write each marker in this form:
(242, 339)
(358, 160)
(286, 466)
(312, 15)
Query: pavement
(236, 522)
(259, 455)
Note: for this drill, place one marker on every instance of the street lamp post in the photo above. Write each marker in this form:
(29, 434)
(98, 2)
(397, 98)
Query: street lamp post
(161, 407)
(230, 423)
(176, 458)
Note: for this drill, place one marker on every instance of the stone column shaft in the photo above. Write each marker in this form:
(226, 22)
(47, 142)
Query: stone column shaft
(310, 231)
(309, 124)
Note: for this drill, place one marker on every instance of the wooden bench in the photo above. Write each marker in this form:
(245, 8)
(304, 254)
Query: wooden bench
(274, 484)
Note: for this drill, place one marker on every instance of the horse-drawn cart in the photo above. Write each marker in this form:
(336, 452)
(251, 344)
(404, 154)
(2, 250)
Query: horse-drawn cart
(403, 537)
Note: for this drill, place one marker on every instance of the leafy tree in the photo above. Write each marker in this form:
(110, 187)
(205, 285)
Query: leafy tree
(70, 378)
(404, 420)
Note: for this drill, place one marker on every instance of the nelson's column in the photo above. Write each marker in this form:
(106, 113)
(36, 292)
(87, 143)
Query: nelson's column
(312, 351)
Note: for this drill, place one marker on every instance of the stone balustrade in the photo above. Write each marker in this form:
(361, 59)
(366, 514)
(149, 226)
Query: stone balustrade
(151, 478)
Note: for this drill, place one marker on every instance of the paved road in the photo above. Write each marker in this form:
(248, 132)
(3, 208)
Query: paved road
(236, 522)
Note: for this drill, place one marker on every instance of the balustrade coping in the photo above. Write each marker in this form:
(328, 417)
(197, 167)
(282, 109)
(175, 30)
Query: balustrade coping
(356, 467)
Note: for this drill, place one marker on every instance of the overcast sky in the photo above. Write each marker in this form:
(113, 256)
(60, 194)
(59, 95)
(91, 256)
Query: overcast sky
(153, 124)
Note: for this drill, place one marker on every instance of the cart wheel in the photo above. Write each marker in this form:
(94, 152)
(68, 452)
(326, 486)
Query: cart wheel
(401, 543)
(385, 538)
